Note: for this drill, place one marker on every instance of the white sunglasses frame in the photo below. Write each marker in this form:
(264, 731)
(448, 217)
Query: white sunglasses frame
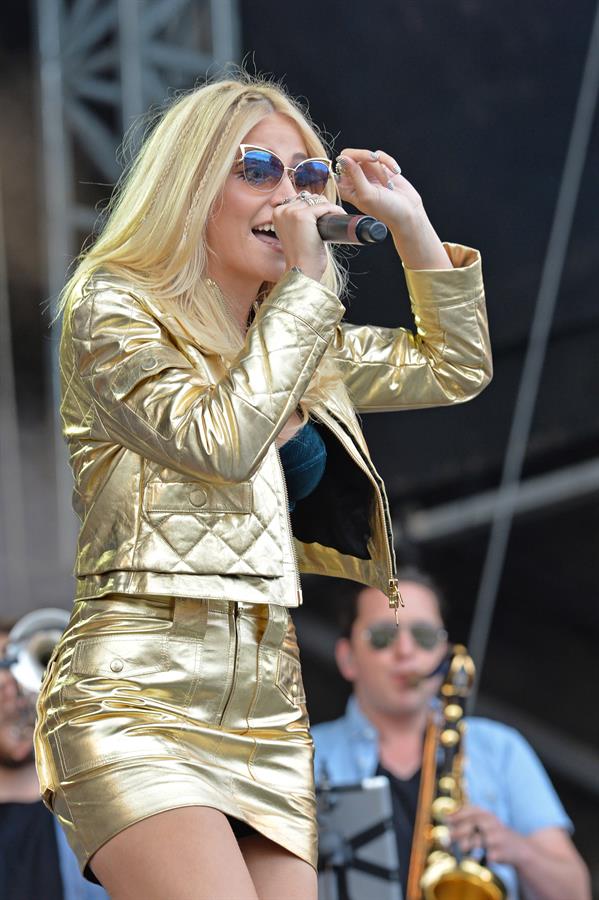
(245, 147)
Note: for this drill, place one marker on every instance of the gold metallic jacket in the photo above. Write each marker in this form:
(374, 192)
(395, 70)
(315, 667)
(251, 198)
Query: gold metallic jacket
(178, 483)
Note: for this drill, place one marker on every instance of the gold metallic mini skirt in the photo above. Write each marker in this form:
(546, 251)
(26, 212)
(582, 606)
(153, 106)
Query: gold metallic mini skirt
(149, 704)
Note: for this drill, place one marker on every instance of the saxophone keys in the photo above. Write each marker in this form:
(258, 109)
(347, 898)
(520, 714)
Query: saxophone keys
(441, 836)
(453, 712)
(442, 807)
(449, 737)
(447, 783)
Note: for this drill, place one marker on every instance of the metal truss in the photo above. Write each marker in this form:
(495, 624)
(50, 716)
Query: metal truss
(102, 63)
(13, 545)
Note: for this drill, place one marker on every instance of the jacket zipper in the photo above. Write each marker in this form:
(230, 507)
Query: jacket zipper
(395, 598)
(298, 587)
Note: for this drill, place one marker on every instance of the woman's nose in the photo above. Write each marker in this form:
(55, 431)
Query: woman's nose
(283, 191)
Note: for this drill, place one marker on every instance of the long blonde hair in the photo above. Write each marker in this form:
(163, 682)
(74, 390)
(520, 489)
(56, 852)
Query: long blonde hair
(155, 231)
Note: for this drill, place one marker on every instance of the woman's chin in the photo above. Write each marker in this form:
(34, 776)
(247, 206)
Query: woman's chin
(275, 270)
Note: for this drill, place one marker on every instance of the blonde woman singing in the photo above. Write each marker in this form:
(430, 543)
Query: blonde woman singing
(209, 399)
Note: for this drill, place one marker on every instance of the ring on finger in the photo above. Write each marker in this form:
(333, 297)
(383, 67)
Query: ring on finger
(390, 184)
(478, 834)
(309, 198)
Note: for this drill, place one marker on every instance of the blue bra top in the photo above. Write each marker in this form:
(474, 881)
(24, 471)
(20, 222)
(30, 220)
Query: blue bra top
(304, 459)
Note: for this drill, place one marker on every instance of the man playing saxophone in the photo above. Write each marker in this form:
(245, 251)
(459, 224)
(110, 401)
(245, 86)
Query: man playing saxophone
(512, 810)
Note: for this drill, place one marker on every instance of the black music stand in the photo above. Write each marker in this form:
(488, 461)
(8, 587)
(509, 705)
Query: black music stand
(357, 845)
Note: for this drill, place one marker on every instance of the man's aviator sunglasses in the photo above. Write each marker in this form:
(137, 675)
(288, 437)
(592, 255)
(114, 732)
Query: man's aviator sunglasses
(264, 171)
(425, 635)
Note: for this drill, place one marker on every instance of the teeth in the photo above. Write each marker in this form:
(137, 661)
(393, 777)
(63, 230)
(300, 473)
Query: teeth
(267, 229)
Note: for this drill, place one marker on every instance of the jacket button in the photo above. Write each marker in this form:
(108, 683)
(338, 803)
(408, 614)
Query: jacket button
(198, 497)
(117, 665)
(149, 364)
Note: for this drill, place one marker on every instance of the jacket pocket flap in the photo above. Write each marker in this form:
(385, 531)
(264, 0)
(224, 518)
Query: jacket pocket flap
(192, 497)
(143, 364)
(126, 657)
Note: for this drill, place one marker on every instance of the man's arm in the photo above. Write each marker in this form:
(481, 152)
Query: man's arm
(551, 868)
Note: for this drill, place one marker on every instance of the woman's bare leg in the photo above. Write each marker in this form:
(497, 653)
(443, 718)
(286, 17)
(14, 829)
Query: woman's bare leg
(182, 854)
(276, 872)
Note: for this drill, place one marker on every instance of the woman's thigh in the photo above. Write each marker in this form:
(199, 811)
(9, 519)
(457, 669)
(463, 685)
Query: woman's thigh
(276, 872)
(184, 854)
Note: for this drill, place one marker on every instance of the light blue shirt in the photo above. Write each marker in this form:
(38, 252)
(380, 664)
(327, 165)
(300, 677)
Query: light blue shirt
(502, 772)
(74, 885)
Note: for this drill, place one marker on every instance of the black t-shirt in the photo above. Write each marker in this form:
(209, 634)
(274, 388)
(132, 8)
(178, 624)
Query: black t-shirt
(29, 865)
(404, 796)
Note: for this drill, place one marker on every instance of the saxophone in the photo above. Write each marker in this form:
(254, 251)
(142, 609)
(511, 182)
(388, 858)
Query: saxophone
(435, 872)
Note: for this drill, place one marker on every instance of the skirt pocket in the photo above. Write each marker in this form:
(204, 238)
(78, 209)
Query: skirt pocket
(121, 684)
(289, 679)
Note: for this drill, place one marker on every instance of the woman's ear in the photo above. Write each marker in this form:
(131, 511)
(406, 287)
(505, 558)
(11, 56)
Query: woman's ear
(344, 656)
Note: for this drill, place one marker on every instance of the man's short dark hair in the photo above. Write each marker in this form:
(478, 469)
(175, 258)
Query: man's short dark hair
(346, 593)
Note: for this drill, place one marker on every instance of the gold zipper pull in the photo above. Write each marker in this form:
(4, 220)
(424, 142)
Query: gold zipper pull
(395, 598)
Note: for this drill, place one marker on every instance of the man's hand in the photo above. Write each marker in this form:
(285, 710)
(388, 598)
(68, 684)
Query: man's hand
(473, 827)
(548, 865)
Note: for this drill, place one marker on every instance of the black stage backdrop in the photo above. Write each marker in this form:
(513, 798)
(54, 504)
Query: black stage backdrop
(476, 100)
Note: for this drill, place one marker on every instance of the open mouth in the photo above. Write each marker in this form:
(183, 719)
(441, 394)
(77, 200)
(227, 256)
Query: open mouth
(266, 234)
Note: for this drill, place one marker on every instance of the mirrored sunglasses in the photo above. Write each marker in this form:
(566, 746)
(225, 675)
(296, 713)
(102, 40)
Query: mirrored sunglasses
(425, 635)
(264, 171)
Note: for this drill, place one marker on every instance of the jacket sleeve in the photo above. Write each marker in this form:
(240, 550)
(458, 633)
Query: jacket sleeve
(448, 358)
(146, 395)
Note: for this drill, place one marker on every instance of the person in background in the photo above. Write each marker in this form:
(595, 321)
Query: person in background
(36, 862)
(512, 809)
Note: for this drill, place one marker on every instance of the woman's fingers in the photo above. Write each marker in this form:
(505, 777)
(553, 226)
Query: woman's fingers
(372, 157)
(358, 178)
(295, 227)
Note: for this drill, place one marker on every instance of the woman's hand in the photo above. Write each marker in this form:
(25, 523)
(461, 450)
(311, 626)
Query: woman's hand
(295, 224)
(372, 182)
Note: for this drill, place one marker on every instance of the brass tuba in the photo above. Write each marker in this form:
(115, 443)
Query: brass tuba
(30, 645)
(437, 870)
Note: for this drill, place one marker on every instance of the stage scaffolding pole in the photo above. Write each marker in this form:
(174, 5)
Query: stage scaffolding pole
(14, 582)
(553, 265)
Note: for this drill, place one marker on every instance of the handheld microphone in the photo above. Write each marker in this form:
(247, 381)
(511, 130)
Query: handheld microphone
(344, 229)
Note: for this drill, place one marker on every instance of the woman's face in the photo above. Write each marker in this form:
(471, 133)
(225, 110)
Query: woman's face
(242, 258)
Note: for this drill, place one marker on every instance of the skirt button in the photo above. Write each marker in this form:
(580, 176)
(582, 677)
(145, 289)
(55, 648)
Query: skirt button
(117, 665)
